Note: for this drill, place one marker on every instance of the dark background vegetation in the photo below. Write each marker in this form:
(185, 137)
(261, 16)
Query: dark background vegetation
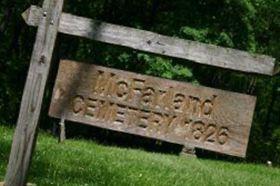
(251, 25)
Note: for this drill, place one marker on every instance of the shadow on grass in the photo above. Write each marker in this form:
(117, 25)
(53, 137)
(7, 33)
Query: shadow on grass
(119, 139)
(46, 171)
(123, 140)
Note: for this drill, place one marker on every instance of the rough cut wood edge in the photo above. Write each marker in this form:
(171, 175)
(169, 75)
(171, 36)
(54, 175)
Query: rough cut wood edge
(25, 133)
(155, 43)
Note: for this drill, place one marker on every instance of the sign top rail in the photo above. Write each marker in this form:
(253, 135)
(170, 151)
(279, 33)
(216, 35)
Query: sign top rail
(147, 41)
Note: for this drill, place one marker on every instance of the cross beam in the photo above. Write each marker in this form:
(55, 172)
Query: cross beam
(158, 44)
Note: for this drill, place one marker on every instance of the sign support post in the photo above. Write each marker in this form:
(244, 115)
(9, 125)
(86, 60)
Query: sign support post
(25, 133)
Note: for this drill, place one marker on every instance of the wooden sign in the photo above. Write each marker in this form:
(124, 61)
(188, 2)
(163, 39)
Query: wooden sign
(153, 107)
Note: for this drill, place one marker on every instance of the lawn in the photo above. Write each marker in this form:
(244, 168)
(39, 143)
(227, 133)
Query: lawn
(79, 162)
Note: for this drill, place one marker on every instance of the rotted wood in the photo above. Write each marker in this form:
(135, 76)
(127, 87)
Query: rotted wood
(25, 133)
(152, 107)
(159, 44)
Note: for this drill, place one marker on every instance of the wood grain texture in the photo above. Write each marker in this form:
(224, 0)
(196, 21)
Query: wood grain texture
(25, 133)
(152, 107)
(159, 44)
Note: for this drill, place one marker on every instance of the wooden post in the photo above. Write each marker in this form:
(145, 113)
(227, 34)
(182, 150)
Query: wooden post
(188, 151)
(62, 133)
(25, 133)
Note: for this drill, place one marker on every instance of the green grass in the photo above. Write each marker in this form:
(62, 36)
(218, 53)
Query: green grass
(78, 162)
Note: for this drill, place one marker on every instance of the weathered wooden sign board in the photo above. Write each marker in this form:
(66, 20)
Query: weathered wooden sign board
(153, 107)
